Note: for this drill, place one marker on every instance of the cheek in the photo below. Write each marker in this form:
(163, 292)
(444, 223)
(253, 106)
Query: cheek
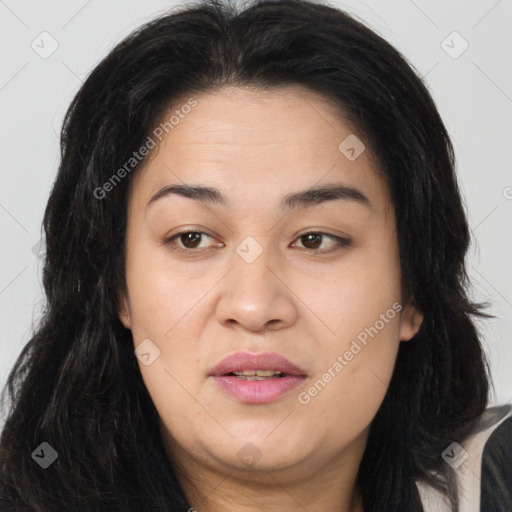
(358, 351)
(162, 293)
(353, 381)
(356, 294)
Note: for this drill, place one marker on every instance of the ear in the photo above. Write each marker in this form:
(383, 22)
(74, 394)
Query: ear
(123, 310)
(410, 322)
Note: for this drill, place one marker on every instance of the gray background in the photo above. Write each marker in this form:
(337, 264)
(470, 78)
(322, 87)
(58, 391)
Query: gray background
(473, 92)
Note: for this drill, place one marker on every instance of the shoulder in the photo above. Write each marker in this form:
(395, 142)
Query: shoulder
(496, 468)
(482, 464)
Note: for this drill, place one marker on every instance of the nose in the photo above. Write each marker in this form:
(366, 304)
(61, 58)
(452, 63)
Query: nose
(254, 294)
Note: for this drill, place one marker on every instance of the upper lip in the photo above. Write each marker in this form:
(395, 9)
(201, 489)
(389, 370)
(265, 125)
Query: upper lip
(241, 361)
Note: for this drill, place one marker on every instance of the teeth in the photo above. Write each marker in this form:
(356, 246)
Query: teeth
(245, 377)
(257, 373)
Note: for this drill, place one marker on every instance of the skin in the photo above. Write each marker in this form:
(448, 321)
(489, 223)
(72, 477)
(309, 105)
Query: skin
(257, 146)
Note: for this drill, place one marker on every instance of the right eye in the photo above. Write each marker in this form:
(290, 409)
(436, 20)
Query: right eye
(186, 237)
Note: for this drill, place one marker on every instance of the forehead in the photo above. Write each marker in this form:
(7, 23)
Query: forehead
(285, 116)
(241, 140)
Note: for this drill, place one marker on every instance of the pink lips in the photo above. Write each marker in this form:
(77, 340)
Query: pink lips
(257, 391)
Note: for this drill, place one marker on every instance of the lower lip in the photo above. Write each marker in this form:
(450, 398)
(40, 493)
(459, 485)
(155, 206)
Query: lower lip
(258, 391)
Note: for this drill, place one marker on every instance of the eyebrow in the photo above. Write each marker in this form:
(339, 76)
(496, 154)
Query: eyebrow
(302, 199)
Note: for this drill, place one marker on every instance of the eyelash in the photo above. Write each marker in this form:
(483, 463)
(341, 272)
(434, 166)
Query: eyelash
(340, 242)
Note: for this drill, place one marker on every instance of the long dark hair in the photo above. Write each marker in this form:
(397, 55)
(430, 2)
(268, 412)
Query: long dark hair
(77, 386)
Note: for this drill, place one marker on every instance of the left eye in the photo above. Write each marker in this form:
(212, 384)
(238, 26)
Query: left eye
(312, 237)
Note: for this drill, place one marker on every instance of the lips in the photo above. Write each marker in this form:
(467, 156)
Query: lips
(262, 390)
(241, 361)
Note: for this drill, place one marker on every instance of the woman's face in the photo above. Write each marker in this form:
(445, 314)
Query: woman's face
(252, 282)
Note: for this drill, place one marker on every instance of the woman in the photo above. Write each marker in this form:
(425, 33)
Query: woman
(256, 284)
